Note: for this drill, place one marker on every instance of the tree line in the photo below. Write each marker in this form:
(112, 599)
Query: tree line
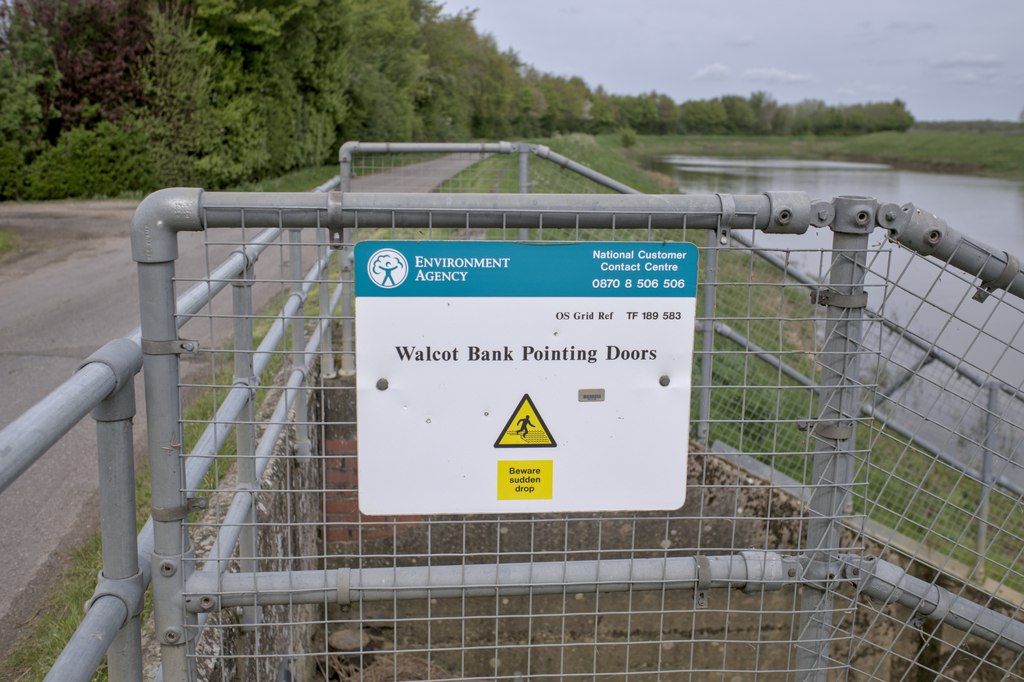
(111, 96)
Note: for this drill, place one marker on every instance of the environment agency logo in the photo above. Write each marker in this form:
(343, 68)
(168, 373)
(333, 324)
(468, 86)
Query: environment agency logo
(387, 268)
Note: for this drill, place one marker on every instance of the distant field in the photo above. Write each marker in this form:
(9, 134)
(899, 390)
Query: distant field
(996, 154)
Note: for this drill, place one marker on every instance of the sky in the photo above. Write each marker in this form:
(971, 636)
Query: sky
(947, 59)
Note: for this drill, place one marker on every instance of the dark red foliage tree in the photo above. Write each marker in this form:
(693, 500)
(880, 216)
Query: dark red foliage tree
(98, 46)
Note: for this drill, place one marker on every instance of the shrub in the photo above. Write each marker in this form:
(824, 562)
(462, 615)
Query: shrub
(106, 160)
(627, 137)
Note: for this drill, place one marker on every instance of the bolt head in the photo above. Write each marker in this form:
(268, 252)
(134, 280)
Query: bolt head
(890, 216)
(167, 568)
(382, 384)
(822, 214)
(664, 381)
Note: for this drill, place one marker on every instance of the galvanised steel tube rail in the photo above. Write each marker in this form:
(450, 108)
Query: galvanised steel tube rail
(891, 584)
(773, 212)
(84, 652)
(752, 571)
(929, 235)
(28, 437)
(578, 168)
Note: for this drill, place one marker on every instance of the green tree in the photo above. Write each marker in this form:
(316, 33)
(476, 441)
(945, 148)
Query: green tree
(763, 106)
(29, 74)
(386, 68)
(179, 117)
(704, 117)
(739, 115)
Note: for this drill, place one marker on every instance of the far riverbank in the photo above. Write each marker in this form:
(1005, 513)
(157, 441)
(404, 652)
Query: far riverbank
(991, 154)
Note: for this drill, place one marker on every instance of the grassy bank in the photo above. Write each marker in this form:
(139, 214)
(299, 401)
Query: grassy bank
(994, 154)
(8, 242)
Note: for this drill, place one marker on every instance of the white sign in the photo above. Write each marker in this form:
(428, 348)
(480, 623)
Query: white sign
(504, 377)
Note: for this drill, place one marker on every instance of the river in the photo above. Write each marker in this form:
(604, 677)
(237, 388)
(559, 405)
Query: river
(932, 301)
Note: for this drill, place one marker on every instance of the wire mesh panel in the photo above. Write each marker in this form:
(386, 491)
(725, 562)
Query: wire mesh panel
(853, 506)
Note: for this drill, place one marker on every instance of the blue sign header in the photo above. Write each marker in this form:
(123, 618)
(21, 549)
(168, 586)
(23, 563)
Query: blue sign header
(511, 269)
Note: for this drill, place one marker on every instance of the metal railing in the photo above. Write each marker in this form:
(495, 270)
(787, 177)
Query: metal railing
(820, 578)
(811, 394)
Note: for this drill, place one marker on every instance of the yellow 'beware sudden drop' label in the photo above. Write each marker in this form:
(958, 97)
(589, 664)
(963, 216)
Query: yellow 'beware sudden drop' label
(525, 428)
(525, 479)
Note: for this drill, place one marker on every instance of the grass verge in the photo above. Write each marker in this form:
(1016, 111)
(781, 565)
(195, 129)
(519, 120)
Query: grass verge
(295, 181)
(8, 242)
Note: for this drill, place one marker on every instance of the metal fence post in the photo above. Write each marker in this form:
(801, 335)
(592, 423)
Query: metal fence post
(155, 248)
(348, 356)
(707, 337)
(116, 459)
(245, 429)
(833, 433)
(327, 369)
(987, 479)
(524, 181)
(348, 327)
(302, 444)
(524, 168)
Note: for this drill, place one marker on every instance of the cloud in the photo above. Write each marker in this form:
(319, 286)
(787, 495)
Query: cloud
(971, 60)
(910, 26)
(740, 41)
(968, 77)
(771, 74)
(712, 72)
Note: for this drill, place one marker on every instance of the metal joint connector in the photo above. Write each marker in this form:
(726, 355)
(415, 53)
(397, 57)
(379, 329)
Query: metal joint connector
(167, 514)
(728, 218)
(790, 213)
(831, 297)
(131, 591)
(854, 215)
(703, 566)
(249, 261)
(246, 382)
(344, 586)
(122, 356)
(765, 571)
(836, 430)
(334, 219)
(172, 347)
(1003, 280)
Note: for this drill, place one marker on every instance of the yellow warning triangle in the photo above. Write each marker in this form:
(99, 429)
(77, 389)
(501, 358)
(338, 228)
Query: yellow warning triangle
(525, 428)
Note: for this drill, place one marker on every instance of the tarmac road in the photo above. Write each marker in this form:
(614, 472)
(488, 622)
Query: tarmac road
(70, 288)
